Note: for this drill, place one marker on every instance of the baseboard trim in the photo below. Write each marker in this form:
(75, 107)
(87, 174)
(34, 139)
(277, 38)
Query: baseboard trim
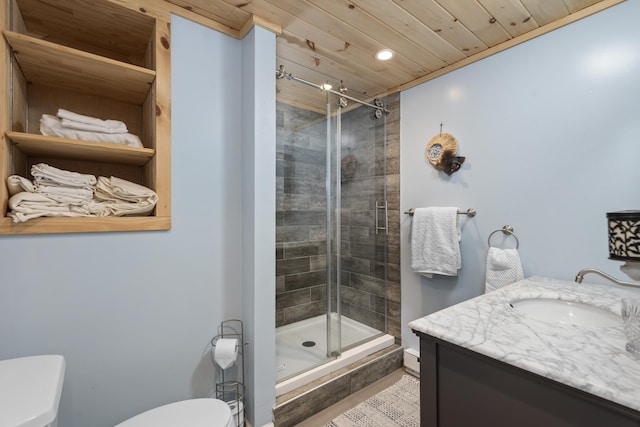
(411, 360)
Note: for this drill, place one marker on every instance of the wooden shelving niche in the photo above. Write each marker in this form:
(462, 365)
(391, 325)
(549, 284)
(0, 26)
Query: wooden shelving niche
(95, 58)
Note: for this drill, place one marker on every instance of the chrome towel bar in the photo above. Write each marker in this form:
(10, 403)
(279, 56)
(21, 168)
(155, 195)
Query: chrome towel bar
(469, 212)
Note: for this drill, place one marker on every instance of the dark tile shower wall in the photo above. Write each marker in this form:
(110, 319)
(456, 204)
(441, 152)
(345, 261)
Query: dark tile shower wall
(301, 215)
(301, 236)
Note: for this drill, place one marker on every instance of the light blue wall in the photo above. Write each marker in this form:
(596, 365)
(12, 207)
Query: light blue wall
(551, 132)
(133, 313)
(259, 219)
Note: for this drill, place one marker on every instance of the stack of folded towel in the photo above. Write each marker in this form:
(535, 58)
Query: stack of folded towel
(56, 192)
(67, 124)
(72, 188)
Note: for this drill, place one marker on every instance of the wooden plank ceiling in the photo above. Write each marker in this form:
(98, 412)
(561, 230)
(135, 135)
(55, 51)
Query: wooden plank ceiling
(335, 40)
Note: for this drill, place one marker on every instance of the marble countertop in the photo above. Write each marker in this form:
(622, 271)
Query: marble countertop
(590, 359)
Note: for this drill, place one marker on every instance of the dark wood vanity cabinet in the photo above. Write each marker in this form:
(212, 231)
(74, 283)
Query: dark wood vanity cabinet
(460, 388)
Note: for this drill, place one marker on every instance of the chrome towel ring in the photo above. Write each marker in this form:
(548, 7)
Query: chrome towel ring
(507, 230)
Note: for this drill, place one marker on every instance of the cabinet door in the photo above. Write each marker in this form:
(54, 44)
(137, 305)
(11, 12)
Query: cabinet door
(463, 388)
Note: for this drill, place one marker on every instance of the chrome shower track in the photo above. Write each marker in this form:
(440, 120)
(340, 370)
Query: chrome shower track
(281, 74)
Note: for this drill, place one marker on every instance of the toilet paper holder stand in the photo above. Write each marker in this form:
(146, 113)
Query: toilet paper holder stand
(230, 387)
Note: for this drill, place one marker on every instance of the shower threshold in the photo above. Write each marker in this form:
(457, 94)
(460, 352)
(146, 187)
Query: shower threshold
(299, 363)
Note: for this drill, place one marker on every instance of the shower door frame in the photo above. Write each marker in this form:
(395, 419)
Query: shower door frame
(334, 323)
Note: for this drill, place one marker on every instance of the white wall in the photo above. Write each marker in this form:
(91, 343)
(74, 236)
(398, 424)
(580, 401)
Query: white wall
(551, 134)
(133, 313)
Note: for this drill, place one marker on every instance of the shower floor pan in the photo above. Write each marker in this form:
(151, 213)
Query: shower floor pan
(299, 363)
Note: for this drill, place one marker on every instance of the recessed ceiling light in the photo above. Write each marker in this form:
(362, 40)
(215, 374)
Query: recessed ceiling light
(384, 54)
(326, 86)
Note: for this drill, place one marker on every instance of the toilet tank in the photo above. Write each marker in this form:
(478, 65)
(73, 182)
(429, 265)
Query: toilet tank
(30, 389)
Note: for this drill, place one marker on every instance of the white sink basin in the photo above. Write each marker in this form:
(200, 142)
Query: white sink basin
(567, 312)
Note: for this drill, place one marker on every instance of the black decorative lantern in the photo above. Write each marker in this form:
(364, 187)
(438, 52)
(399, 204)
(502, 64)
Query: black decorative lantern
(624, 240)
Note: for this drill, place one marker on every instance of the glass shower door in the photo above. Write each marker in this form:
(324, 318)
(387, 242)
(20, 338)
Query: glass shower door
(357, 225)
(307, 307)
(361, 178)
(331, 232)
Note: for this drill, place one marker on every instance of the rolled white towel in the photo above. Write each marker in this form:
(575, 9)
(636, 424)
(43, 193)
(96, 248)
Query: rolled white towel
(88, 123)
(51, 126)
(117, 197)
(17, 184)
(117, 189)
(45, 174)
(127, 190)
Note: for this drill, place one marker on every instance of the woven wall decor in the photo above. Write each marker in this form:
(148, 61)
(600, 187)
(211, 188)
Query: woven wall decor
(441, 152)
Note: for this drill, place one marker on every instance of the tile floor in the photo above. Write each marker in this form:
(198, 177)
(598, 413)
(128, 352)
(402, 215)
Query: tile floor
(344, 405)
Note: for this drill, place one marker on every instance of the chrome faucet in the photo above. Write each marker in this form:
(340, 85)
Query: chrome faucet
(584, 271)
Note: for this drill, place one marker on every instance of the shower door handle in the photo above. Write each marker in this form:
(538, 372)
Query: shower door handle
(386, 218)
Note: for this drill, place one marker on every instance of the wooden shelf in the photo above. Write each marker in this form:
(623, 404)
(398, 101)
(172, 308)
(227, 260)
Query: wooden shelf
(51, 146)
(96, 26)
(85, 224)
(63, 67)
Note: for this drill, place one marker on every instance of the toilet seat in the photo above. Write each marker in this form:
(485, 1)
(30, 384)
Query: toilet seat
(187, 413)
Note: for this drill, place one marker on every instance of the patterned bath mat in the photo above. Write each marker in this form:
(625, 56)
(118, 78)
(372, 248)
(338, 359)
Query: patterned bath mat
(396, 406)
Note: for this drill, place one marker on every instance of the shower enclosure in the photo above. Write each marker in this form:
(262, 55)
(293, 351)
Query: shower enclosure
(332, 227)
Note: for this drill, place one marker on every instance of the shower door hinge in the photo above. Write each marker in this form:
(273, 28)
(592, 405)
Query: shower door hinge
(383, 205)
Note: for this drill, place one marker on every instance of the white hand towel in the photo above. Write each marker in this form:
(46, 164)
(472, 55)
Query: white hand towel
(45, 174)
(64, 194)
(102, 208)
(25, 206)
(435, 241)
(51, 126)
(70, 124)
(503, 268)
(75, 120)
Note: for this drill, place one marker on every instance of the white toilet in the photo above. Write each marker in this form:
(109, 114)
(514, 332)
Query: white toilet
(187, 413)
(30, 389)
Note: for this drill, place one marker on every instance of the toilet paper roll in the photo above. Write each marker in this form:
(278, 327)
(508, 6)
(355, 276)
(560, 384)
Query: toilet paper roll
(226, 352)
